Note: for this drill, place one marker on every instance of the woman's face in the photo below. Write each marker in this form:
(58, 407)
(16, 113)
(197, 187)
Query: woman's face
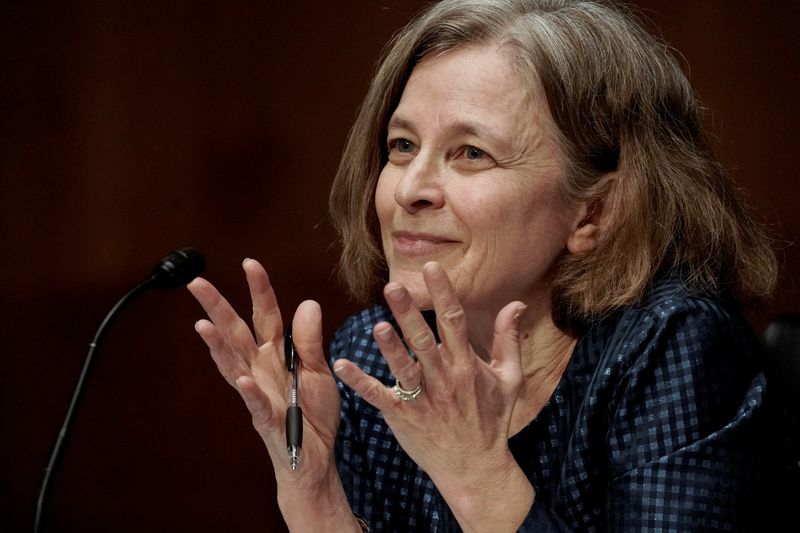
(472, 182)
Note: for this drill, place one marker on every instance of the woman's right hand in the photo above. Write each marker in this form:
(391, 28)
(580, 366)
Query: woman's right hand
(255, 367)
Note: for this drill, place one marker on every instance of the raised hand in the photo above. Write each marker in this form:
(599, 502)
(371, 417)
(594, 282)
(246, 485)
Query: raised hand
(457, 428)
(255, 367)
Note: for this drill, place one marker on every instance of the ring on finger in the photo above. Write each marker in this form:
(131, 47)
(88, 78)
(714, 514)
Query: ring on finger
(406, 395)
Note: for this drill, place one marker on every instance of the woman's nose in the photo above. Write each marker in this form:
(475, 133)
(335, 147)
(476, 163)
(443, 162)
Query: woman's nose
(421, 186)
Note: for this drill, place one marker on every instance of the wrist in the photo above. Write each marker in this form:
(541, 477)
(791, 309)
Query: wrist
(494, 496)
(315, 505)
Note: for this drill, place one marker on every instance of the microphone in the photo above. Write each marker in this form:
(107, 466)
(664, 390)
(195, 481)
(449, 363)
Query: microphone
(178, 268)
(175, 270)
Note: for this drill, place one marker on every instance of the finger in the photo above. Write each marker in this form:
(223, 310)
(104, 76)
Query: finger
(230, 324)
(450, 316)
(307, 336)
(417, 335)
(369, 388)
(267, 420)
(402, 365)
(229, 364)
(267, 322)
(506, 351)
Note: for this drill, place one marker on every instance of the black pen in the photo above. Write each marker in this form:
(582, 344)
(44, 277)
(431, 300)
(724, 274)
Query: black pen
(294, 415)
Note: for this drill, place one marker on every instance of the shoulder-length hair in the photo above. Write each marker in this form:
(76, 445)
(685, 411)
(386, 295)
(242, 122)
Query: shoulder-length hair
(631, 131)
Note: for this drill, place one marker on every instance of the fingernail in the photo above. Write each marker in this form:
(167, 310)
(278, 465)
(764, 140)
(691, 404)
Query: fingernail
(394, 292)
(520, 311)
(239, 382)
(383, 333)
(339, 367)
(431, 266)
(244, 262)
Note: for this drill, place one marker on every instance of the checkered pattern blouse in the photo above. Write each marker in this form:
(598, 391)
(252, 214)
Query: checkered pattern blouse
(654, 427)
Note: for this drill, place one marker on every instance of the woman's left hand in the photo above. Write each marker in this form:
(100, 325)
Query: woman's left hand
(457, 429)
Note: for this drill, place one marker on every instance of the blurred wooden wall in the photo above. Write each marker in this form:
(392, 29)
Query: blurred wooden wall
(129, 129)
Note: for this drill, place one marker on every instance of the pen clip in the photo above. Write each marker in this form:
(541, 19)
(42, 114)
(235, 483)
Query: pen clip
(288, 350)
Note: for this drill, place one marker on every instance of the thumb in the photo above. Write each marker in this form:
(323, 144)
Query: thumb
(307, 336)
(506, 352)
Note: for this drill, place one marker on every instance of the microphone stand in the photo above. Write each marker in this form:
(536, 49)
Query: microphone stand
(77, 395)
(175, 270)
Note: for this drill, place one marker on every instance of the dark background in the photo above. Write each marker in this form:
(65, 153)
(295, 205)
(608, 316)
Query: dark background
(129, 129)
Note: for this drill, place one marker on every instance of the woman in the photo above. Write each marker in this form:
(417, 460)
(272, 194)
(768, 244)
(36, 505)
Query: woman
(536, 174)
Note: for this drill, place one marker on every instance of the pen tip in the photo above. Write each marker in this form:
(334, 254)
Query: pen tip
(294, 457)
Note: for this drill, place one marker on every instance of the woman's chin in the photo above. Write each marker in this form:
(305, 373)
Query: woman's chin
(415, 285)
(420, 296)
(422, 302)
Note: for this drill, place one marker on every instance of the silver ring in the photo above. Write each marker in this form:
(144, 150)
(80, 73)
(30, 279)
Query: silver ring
(406, 395)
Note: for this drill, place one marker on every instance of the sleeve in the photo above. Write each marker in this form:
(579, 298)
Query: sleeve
(351, 462)
(383, 485)
(540, 519)
(350, 451)
(684, 443)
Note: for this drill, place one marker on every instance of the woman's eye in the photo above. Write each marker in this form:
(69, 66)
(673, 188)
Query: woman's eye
(473, 159)
(404, 146)
(470, 152)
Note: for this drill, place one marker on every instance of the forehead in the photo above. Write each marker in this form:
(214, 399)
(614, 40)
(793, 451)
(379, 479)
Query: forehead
(471, 83)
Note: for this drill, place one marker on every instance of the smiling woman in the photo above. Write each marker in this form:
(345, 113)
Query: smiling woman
(529, 189)
(472, 180)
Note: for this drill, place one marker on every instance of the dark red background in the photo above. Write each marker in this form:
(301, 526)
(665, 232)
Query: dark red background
(131, 129)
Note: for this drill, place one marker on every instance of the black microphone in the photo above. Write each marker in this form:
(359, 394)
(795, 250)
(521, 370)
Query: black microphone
(178, 268)
(175, 270)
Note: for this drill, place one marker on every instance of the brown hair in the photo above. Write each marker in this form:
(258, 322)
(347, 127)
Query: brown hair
(630, 127)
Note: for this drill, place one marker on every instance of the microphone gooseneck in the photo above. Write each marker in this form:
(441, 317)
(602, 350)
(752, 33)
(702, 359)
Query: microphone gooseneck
(175, 270)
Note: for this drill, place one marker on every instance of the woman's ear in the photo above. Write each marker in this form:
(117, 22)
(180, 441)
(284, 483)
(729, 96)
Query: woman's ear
(591, 220)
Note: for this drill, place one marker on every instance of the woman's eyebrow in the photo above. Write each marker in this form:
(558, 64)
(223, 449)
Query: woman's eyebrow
(470, 128)
(399, 123)
(456, 128)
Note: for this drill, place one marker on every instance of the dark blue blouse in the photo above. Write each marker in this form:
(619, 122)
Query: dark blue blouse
(656, 424)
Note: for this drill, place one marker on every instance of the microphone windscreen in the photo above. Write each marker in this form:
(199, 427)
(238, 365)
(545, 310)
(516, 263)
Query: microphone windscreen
(178, 268)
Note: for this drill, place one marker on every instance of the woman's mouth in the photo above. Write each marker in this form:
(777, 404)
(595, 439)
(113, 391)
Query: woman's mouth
(419, 244)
